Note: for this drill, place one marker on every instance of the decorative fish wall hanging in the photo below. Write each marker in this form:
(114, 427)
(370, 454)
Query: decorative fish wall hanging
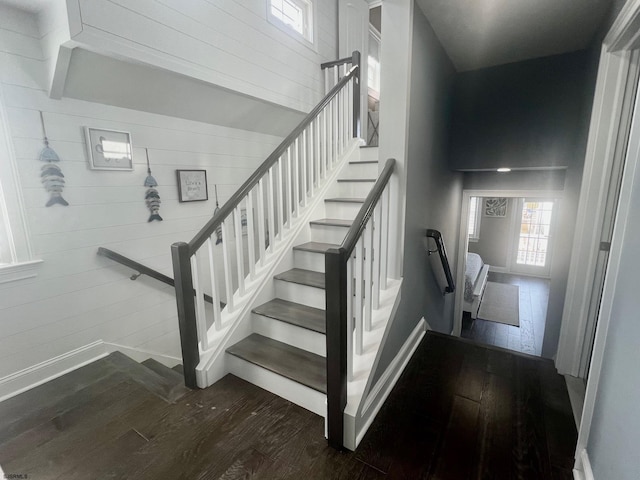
(51, 174)
(219, 227)
(152, 197)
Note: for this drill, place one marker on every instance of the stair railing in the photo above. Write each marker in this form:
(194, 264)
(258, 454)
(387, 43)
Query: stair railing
(269, 202)
(335, 70)
(444, 260)
(355, 273)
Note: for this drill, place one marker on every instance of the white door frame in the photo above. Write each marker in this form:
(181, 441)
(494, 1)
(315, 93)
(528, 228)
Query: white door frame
(617, 65)
(463, 239)
(612, 107)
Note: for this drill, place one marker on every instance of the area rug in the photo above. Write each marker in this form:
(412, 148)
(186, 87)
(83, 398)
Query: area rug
(500, 303)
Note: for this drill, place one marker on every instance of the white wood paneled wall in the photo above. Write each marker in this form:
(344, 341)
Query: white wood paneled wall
(226, 42)
(77, 297)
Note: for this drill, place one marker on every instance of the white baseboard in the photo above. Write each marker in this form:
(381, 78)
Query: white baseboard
(140, 355)
(31, 377)
(387, 381)
(583, 470)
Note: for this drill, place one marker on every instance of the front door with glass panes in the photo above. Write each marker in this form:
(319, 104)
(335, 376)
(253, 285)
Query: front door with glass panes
(533, 236)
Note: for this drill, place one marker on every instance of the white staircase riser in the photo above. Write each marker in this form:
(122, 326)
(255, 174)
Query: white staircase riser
(362, 170)
(308, 260)
(328, 234)
(342, 210)
(284, 332)
(304, 294)
(295, 392)
(354, 189)
(370, 153)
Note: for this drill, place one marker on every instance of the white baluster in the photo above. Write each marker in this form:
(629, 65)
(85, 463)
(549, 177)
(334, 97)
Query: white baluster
(280, 193)
(384, 233)
(251, 239)
(215, 298)
(350, 108)
(377, 239)
(201, 318)
(350, 318)
(271, 210)
(261, 221)
(326, 139)
(237, 223)
(303, 163)
(316, 157)
(334, 131)
(311, 147)
(288, 187)
(226, 256)
(296, 177)
(340, 121)
(357, 301)
(368, 264)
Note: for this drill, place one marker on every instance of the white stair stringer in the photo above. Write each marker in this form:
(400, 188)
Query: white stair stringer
(237, 324)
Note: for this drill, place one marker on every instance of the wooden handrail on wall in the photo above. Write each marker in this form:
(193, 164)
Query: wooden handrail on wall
(354, 275)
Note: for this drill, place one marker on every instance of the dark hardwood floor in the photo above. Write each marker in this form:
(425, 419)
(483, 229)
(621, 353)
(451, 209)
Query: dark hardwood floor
(459, 411)
(527, 338)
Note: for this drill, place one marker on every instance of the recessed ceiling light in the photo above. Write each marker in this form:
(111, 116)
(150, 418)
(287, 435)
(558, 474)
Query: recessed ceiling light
(504, 169)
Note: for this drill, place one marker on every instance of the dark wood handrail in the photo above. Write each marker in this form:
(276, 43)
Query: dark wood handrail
(202, 236)
(138, 267)
(144, 270)
(335, 63)
(336, 310)
(437, 236)
(365, 213)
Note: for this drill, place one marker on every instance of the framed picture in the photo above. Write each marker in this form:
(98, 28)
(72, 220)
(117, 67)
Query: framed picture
(109, 149)
(192, 185)
(495, 207)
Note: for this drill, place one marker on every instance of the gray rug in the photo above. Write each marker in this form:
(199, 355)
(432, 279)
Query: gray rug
(500, 303)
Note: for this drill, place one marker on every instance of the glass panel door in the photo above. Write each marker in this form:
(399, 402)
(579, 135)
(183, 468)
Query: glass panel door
(533, 252)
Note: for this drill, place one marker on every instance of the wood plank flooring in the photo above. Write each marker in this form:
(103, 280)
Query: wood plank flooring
(528, 337)
(459, 411)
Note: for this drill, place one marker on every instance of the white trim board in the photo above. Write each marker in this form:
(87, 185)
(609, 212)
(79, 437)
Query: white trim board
(36, 375)
(140, 355)
(582, 470)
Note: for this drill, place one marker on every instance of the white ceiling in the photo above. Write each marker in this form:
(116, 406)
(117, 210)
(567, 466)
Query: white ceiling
(482, 33)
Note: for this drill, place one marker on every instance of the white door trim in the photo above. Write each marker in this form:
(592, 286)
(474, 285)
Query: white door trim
(463, 239)
(611, 106)
(617, 64)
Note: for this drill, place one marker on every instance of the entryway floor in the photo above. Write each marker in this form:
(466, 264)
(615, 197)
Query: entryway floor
(527, 338)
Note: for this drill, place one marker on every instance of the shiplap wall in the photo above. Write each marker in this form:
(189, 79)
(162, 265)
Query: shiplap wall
(227, 42)
(77, 297)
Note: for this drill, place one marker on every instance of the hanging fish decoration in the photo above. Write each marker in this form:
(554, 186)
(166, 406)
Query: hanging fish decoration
(219, 227)
(152, 197)
(53, 180)
(51, 174)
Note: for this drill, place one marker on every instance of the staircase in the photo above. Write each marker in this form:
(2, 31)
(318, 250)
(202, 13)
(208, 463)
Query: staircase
(286, 351)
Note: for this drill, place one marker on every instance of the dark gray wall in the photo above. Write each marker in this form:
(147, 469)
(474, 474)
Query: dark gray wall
(434, 192)
(526, 114)
(495, 235)
(530, 114)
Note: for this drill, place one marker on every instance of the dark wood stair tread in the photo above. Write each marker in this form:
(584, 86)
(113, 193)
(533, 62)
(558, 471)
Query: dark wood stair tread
(302, 277)
(294, 313)
(178, 368)
(344, 200)
(357, 180)
(164, 371)
(332, 222)
(293, 363)
(315, 247)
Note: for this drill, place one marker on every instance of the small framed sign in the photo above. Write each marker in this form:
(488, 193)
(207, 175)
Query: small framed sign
(192, 185)
(109, 149)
